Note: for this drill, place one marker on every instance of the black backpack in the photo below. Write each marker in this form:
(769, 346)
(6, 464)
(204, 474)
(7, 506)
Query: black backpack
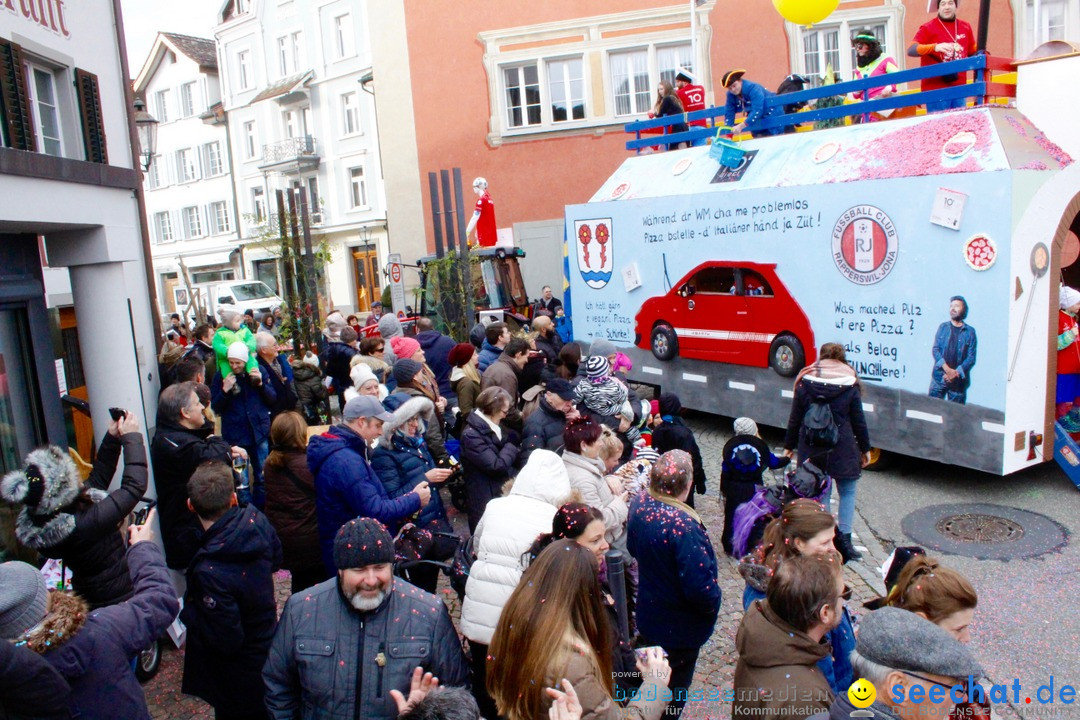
(819, 429)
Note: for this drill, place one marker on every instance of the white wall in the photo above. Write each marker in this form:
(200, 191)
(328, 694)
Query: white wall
(1042, 96)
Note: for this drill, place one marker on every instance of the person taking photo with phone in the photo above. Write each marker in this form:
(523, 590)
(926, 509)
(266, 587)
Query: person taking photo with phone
(79, 523)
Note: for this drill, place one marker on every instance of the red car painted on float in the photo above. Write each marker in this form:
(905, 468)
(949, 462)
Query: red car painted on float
(733, 312)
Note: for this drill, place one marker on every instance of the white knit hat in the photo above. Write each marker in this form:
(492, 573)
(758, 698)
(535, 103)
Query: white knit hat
(745, 426)
(238, 351)
(360, 374)
(1068, 297)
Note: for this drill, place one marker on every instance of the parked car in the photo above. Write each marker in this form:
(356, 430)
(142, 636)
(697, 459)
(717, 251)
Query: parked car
(738, 313)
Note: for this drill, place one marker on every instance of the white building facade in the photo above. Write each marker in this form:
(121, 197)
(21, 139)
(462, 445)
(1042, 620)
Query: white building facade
(299, 116)
(69, 226)
(191, 206)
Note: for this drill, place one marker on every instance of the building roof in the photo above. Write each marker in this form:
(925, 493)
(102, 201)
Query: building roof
(282, 87)
(201, 50)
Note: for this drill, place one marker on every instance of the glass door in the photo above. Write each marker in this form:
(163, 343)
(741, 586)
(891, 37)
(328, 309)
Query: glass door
(21, 426)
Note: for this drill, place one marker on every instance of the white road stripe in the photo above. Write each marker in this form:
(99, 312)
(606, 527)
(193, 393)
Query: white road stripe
(749, 387)
(695, 378)
(868, 407)
(928, 417)
(648, 370)
(787, 394)
(993, 427)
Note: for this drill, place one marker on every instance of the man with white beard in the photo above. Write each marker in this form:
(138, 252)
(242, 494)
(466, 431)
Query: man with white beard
(357, 644)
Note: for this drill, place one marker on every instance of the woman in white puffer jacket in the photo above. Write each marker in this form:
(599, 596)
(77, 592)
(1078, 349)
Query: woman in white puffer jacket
(504, 534)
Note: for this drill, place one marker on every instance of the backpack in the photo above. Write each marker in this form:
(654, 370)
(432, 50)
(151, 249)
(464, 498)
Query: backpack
(819, 429)
(751, 517)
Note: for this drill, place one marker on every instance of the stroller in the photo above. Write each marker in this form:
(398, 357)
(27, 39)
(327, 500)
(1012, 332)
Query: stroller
(416, 548)
(806, 481)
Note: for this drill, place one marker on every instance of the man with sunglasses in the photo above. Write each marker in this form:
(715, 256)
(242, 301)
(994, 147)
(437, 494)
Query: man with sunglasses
(918, 670)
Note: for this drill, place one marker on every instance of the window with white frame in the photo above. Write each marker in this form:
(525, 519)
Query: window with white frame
(258, 203)
(46, 110)
(1045, 20)
(630, 82)
(566, 89)
(213, 160)
(187, 99)
(826, 45)
(186, 169)
(350, 113)
(219, 217)
(540, 93)
(669, 58)
(161, 105)
(193, 227)
(251, 144)
(284, 56)
(244, 77)
(297, 49)
(155, 176)
(163, 229)
(522, 95)
(343, 37)
(357, 187)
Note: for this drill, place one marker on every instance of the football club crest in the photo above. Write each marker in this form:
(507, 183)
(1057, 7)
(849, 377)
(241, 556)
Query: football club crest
(864, 244)
(592, 240)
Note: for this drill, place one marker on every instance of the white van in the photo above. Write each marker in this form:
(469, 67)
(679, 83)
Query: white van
(241, 295)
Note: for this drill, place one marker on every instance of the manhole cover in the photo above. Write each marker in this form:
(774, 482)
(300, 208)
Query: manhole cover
(984, 531)
(978, 528)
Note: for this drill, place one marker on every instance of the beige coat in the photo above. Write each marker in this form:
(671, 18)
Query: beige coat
(596, 700)
(587, 477)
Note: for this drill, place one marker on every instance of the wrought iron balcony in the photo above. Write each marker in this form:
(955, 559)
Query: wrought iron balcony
(298, 153)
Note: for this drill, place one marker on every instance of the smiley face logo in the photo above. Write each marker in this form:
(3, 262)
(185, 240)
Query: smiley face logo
(862, 693)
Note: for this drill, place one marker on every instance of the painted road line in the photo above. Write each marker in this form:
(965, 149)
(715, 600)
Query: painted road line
(868, 407)
(928, 417)
(993, 427)
(651, 370)
(787, 394)
(749, 387)
(695, 378)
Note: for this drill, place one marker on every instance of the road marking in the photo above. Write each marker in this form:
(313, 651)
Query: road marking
(928, 417)
(787, 394)
(648, 370)
(695, 378)
(749, 387)
(993, 427)
(868, 407)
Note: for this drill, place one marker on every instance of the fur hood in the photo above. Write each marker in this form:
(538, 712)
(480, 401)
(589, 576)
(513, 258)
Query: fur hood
(413, 406)
(55, 476)
(754, 573)
(64, 617)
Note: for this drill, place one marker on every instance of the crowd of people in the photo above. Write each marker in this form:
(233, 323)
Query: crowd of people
(588, 580)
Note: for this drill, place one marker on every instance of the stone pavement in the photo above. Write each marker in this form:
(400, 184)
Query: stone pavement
(716, 665)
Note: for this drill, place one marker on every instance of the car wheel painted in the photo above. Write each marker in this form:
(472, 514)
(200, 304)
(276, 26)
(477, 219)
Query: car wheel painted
(148, 662)
(786, 355)
(665, 344)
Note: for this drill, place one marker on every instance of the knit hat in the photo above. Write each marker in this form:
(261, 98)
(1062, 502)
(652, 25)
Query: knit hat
(745, 426)
(654, 407)
(597, 367)
(670, 404)
(360, 374)
(647, 454)
(365, 406)
(348, 335)
(602, 347)
(311, 359)
(389, 326)
(405, 370)
(335, 323)
(560, 387)
(1068, 297)
(626, 412)
(23, 599)
(731, 76)
(48, 481)
(461, 354)
(903, 641)
(238, 351)
(361, 542)
(403, 347)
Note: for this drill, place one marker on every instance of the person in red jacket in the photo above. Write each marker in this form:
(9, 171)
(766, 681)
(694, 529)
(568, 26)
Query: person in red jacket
(944, 38)
(692, 97)
(483, 219)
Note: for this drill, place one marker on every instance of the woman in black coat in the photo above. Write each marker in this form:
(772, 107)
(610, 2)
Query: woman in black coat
(832, 380)
(668, 103)
(80, 524)
(673, 434)
(488, 452)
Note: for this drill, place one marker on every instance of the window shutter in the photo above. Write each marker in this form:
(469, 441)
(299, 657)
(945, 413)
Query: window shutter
(14, 99)
(93, 125)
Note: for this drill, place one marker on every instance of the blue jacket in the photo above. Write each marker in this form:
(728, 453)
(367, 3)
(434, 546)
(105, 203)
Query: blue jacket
(245, 416)
(401, 468)
(347, 487)
(966, 345)
(437, 347)
(282, 384)
(836, 667)
(678, 594)
(230, 610)
(488, 354)
(335, 359)
(751, 101)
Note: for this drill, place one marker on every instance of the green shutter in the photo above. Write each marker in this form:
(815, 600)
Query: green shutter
(14, 100)
(93, 125)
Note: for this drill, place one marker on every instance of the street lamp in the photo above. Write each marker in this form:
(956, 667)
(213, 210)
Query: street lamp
(146, 125)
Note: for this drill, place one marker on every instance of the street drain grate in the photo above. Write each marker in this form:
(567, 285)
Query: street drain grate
(980, 528)
(984, 531)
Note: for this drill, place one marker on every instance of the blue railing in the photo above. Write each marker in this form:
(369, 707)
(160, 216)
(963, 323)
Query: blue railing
(981, 89)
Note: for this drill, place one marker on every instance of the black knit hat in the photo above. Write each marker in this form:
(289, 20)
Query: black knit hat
(405, 370)
(361, 542)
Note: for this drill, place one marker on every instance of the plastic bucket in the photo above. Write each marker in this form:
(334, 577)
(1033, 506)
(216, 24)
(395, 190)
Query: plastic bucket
(726, 152)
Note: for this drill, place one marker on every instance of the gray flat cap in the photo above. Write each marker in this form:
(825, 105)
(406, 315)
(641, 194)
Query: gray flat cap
(902, 640)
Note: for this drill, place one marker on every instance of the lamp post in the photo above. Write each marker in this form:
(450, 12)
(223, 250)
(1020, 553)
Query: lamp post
(146, 125)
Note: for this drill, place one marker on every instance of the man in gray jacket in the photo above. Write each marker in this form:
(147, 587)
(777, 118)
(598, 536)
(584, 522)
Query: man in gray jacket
(359, 637)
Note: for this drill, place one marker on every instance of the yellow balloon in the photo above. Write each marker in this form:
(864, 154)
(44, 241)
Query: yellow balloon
(805, 12)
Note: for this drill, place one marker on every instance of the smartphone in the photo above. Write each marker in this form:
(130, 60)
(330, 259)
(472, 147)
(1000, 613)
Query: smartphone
(642, 654)
(117, 414)
(139, 516)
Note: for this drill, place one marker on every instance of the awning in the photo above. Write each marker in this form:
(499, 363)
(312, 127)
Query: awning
(217, 258)
(283, 86)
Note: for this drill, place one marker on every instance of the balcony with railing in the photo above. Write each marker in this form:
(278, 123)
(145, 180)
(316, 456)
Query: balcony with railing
(292, 155)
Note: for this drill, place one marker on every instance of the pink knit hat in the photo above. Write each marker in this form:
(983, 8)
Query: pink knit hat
(404, 347)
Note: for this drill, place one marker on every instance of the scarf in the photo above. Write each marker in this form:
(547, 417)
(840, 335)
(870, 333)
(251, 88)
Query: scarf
(491, 424)
(832, 371)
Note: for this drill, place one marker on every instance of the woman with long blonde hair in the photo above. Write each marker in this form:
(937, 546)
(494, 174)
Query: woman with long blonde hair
(554, 630)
